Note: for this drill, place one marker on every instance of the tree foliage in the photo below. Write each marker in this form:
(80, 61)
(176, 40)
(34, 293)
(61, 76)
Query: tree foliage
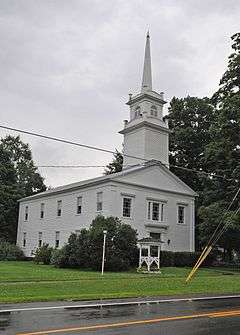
(206, 137)
(18, 178)
(85, 250)
(116, 164)
(190, 120)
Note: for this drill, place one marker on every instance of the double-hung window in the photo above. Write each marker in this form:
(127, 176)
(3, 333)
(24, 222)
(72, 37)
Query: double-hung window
(42, 210)
(99, 201)
(127, 207)
(57, 239)
(39, 239)
(26, 216)
(59, 208)
(79, 205)
(156, 211)
(24, 239)
(181, 214)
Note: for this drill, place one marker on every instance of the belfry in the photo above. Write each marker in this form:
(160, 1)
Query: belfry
(146, 133)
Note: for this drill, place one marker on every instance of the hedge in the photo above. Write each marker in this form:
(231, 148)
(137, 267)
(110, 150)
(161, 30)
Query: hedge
(185, 258)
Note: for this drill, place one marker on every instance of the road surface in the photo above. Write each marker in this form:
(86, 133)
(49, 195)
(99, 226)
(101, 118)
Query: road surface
(216, 316)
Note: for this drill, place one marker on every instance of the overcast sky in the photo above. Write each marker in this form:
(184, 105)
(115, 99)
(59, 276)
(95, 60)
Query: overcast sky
(67, 66)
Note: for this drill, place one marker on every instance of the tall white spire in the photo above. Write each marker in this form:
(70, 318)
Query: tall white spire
(147, 72)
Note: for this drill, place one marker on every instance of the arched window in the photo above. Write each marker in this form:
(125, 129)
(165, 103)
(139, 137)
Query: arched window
(154, 111)
(138, 112)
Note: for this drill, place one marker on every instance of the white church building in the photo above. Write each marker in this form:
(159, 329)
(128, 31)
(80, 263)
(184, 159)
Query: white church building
(145, 194)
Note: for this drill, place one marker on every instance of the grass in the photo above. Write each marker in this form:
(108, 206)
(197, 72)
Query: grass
(26, 281)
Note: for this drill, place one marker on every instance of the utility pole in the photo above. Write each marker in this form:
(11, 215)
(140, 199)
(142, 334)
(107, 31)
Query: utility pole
(104, 247)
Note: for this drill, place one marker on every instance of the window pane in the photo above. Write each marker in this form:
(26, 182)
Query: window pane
(99, 201)
(127, 207)
(155, 211)
(24, 239)
(149, 210)
(162, 214)
(79, 205)
(156, 236)
(57, 239)
(26, 213)
(42, 211)
(59, 208)
(181, 214)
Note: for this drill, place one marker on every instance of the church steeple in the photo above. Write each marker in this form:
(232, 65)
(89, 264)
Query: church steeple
(146, 132)
(147, 72)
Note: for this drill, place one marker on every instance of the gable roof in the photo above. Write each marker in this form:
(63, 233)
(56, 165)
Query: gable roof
(119, 177)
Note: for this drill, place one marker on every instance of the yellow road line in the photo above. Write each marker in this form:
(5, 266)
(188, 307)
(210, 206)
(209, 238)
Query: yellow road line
(136, 322)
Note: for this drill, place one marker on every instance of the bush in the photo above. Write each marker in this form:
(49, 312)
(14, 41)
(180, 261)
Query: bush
(85, 250)
(166, 258)
(10, 252)
(184, 258)
(43, 254)
(59, 258)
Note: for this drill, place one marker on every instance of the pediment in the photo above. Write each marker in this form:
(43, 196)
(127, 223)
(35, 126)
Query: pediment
(157, 177)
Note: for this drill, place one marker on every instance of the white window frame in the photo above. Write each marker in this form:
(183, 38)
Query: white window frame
(79, 205)
(24, 241)
(57, 239)
(40, 241)
(154, 111)
(161, 210)
(59, 208)
(99, 201)
(26, 213)
(137, 112)
(131, 207)
(184, 214)
(42, 210)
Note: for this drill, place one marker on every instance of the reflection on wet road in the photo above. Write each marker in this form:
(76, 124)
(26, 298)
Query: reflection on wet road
(178, 318)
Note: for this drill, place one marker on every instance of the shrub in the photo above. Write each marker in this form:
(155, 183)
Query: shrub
(10, 252)
(85, 250)
(185, 258)
(43, 254)
(166, 258)
(59, 258)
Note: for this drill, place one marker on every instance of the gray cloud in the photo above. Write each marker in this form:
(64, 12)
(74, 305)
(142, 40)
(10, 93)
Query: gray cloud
(67, 67)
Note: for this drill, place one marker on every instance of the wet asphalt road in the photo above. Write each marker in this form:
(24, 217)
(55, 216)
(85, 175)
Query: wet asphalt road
(129, 319)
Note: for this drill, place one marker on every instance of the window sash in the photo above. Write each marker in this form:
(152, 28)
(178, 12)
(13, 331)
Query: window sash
(42, 211)
(181, 214)
(59, 208)
(99, 201)
(155, 211)
(39, 239)
(26, 213)
(127, 207)
(79, 205)
(57, 239)
(24, 239)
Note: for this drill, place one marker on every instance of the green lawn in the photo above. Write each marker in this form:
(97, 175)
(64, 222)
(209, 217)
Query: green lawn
(26, 281)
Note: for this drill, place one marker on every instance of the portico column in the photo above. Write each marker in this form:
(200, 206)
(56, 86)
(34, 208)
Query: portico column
(140, 256)
(148, 258)
(158, 257)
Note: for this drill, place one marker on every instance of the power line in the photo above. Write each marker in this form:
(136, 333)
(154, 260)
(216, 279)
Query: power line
(102, 150)
(71, 166)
